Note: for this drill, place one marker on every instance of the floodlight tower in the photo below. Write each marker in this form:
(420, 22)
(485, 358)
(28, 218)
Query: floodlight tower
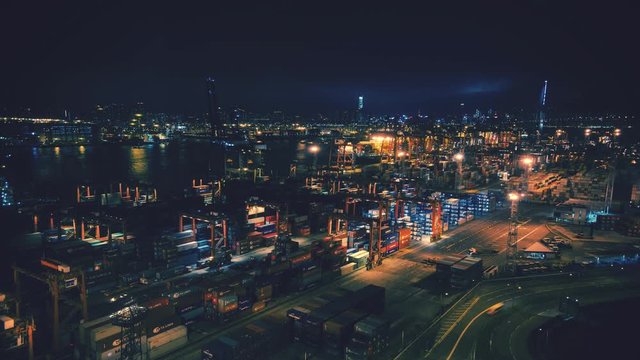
(400, 159)
(459, 158)
(314, 149)
(524, 185)
(512, 239)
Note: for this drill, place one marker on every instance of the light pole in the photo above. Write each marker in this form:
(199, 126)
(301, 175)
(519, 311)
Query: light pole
(314, 149)
(512, 239)
(524, 185)
(459, 157)
(401, 155)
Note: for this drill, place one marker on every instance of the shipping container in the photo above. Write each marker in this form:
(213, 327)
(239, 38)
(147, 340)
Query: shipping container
(264, 292)
(371, 337)
(156, 302)
(300, 258)
(172, 340)
(166, 337)
(6, 322)
(254, 341)
(103, 331)
(193, 314)
(310, 277)
(116, 349)
(85, 329)
(347, 269)
(338, 331)
(161, 319)
(227, 303)
(359, 258)
(297, 316)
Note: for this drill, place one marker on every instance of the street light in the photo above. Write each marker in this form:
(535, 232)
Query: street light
(512, 239)
(527, 161)
(458, 158)
(314, 149)
(524, 185)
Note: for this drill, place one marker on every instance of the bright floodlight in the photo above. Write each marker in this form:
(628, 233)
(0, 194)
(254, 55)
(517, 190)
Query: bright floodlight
(527, 161)
(458, 157)
(314, 149)
(401, 154)
(514, 197)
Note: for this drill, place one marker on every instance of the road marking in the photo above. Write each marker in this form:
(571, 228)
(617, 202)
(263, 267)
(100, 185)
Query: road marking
(455, 346)
(436, 321)
(522, 238)
(456, 322)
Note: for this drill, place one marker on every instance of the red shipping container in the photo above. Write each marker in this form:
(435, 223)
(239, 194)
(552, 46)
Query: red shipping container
(301, 258)
(155, 303)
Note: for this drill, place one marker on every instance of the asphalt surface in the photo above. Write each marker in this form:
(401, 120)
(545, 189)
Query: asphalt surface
(489, 235)
(528, 303)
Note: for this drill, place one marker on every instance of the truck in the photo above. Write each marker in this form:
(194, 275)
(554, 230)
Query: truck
(495, 308)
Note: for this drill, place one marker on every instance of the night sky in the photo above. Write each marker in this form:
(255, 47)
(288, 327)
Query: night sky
(318, 57)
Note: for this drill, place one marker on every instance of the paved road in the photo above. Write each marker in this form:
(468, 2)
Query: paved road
(488, 235)
(528, 303)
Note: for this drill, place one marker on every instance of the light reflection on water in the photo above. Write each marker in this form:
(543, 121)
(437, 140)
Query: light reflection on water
(170, 167)
(139, 163)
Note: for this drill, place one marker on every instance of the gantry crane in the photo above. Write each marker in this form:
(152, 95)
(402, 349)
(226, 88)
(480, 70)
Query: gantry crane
(58, 281)
(217, 225)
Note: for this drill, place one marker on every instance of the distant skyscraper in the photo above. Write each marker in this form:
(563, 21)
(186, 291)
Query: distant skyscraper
(543, 106)
(217, 128)
(360, 111)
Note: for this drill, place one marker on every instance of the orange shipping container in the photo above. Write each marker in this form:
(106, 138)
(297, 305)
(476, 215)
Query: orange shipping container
(404, 234)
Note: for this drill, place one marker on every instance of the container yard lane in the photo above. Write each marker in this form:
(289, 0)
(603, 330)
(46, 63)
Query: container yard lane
(487, 236)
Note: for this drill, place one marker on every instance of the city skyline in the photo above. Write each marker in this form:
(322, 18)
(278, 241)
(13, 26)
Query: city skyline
(427, 58)
(354, 180)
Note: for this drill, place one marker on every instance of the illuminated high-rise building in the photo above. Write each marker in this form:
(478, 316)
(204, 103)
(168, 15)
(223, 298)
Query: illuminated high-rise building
(360, 110)
(215, 121)
(543, 106)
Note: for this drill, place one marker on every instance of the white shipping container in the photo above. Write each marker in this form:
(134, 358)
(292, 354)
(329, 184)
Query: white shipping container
(187, 246)
(174, 345)
(167, 337)
(114, 353)
(104, 331)
(7, 322)
(85, 328)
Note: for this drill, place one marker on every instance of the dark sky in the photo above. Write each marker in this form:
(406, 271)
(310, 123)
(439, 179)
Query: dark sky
(312, 56)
